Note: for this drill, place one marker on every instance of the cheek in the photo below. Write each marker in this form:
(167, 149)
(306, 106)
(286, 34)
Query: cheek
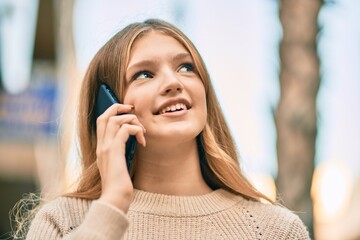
(132, 96)
(201, 99)
(200, 94)
(140, 99)
(128, 96)
(205, 110)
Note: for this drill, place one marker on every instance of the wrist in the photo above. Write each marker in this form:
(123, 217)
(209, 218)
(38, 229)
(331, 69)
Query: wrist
(120, 202)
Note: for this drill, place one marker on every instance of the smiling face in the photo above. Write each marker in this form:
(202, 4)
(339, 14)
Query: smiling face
(163, 85)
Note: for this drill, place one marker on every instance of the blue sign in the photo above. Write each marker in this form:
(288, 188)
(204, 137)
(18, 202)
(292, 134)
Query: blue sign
(30, 114)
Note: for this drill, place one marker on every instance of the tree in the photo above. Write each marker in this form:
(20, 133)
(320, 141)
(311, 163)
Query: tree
(296, 114)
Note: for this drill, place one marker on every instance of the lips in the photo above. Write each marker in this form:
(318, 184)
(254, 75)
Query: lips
(173, 106)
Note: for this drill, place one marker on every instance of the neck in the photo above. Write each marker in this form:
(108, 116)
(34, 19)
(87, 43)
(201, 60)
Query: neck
(171, 170)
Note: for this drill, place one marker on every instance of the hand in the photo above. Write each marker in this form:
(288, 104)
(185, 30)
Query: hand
(113, 129)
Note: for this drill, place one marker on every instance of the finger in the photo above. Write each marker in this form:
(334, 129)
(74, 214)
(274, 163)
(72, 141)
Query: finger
(116, 109)
(102, 120)
(115, 122)
(126, 130)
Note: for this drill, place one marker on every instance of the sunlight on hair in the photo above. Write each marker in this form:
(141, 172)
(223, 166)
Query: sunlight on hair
(265, 184)
(331, 190)
(22, 214)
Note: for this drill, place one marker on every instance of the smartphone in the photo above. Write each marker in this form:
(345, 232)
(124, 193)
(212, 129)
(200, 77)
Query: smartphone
(104, 99)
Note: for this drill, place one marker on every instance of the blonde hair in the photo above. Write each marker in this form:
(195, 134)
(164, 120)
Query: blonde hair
(218, 156)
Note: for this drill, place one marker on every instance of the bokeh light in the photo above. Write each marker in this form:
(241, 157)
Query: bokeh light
(331, 190)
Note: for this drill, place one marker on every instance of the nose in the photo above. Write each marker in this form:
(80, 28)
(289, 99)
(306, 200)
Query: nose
(172, 84)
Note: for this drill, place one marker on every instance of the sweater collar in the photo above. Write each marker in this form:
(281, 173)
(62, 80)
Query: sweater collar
(181, 206)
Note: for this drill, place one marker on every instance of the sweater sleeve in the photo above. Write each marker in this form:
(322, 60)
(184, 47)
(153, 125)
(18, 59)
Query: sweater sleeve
(102, 221)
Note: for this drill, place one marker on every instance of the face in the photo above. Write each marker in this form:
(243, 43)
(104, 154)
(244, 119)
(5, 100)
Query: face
(167, 93)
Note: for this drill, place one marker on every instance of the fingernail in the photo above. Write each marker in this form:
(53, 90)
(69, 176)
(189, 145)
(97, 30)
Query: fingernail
(131, 107)
(144, 143)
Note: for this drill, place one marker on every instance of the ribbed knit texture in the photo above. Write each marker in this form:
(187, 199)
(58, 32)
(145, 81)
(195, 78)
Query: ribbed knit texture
(217, 215)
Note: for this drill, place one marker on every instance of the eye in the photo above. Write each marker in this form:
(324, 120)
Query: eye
(186, 67)
(142, 75)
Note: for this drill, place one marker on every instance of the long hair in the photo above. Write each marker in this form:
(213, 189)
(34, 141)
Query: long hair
(218, 156)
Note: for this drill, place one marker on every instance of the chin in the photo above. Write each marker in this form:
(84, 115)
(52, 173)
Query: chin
(176, 136)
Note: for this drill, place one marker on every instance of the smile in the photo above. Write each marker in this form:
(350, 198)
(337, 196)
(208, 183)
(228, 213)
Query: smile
(173, 105)
(173, 108)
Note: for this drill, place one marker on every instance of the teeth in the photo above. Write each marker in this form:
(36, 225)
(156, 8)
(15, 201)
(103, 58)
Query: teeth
(172, 108)
(184, 106)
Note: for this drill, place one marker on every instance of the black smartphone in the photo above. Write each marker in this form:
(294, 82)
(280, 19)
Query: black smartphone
(104, 99)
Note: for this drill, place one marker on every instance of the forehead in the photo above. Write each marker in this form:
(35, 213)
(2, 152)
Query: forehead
(154, 43)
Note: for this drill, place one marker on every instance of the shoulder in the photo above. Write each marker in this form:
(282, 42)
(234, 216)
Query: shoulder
(66, 206)
(64, 212)
(65, 216)
(272, 221)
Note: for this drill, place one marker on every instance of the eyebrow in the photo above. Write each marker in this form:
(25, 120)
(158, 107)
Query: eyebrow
(151, 62)
(181, 56)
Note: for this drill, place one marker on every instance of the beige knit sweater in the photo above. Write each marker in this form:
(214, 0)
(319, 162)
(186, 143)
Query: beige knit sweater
(217, 215)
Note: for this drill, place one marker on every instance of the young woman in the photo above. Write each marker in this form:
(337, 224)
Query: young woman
(185, 181)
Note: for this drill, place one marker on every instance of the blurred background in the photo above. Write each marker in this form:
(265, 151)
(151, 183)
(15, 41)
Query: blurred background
(287, 74)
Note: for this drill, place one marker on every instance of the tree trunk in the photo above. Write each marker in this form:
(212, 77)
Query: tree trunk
(296, 112)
